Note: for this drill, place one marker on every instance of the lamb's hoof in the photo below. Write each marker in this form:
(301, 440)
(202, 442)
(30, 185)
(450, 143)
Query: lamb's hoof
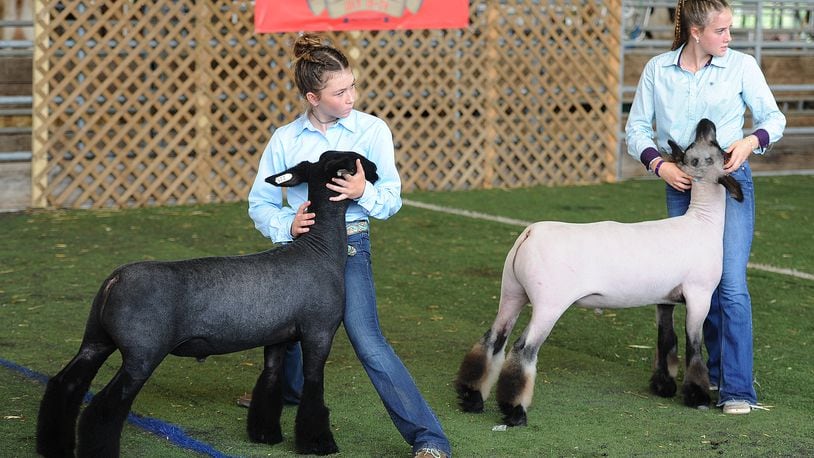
(470, 400)
(54, 450)
(513, 415)
(265, 437)
(696, 396)
(322, 446)
(663, 385)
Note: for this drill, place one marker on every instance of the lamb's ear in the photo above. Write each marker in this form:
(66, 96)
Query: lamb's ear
(677, 153)
(706, 131)
(732, 186)
(291, 177)
(370, 170)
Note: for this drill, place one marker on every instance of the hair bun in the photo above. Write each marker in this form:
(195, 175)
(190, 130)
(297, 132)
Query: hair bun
(305, 44)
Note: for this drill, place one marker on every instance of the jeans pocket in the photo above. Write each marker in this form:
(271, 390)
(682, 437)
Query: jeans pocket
(359, 244)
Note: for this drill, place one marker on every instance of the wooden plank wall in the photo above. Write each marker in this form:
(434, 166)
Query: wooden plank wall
(169, 102)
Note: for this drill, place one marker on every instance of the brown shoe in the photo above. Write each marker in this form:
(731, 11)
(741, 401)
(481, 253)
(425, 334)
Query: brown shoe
(430, 453)
(245, 400)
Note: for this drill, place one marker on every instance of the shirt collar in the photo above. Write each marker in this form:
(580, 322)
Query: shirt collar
(303, 123)
(350, 122)
(720, 61)
(675, 58)
(675, 55)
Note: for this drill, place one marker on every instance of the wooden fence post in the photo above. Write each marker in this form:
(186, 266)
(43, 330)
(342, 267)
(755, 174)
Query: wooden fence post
(39, 115)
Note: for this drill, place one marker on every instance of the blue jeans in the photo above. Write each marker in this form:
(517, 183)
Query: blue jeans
(728, 327)
(293, 378)
(408, 410)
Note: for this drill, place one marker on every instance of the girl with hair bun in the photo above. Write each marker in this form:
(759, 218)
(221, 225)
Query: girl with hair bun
(702, 78)
(325, 80)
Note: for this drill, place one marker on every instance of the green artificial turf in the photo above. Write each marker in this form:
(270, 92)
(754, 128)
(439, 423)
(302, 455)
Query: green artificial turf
(437, 278)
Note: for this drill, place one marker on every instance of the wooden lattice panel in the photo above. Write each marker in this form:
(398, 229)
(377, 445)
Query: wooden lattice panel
(428, 84)
(555, 88)
(171, 102)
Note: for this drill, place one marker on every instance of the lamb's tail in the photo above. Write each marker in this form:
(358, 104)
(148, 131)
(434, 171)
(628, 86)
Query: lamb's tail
(512, 291)
(102, 296)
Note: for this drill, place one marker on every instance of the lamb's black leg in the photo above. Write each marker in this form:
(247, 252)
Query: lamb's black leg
(263, 422)
(59, 408)
(663, 380)
(101, 423)
(696, 375)
(313, 426)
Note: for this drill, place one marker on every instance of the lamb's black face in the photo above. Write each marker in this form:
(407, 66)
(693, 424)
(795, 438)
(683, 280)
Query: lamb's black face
(331, 164)
(338, 163)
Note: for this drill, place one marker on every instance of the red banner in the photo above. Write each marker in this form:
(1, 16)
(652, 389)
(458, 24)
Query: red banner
(331, 15)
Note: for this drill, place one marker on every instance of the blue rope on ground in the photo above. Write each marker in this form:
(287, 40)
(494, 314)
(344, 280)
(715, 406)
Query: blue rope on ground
(175, 434)
(25, 371)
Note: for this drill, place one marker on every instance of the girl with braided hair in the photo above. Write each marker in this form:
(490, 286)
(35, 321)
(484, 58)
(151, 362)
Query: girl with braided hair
(325, 80)
(702, 78)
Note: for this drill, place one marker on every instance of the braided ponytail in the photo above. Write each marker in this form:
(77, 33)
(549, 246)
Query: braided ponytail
(677, 40)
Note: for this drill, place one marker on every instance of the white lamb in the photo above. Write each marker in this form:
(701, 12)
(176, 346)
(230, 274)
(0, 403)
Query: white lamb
(554, 265)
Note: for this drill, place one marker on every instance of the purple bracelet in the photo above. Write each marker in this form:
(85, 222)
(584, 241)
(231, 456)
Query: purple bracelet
(658, 166)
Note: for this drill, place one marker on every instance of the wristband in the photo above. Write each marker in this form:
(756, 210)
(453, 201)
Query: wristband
(658, 166)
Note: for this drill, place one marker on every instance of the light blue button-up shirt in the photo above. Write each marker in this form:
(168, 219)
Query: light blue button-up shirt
(677, 99)
(301, 141)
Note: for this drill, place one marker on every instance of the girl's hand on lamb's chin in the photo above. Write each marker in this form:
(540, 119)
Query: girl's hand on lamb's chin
(349, 186)
(675, 177)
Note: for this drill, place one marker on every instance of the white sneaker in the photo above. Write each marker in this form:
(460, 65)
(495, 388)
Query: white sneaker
(430, 453)
(737, 407)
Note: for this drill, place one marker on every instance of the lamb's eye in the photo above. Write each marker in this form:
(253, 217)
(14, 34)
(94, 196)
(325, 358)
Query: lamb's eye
(694, 162)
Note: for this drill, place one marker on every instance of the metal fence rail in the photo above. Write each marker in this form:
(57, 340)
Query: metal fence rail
(16, 48)
(15, 105)
(10, 105)
(771, 27)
